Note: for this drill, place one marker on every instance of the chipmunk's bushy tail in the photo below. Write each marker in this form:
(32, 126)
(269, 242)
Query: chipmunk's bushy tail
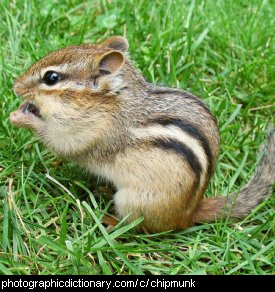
(239, 205)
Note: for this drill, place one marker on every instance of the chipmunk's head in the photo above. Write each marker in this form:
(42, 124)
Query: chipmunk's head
(70, 94)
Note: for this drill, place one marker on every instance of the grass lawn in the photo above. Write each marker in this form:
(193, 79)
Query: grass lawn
(50, 211)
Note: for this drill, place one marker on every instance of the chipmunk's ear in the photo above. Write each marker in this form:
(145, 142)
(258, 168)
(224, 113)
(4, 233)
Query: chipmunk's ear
(117, 43)
(111, 62)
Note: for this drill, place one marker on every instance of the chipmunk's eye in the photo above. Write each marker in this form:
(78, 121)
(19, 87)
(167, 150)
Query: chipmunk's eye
(51, 77)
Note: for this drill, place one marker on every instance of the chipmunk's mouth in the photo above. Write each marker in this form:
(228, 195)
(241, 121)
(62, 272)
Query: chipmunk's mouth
(31, 108)
(25, 115)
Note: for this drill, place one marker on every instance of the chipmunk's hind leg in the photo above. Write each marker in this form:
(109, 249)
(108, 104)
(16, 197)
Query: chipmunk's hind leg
(159, 214)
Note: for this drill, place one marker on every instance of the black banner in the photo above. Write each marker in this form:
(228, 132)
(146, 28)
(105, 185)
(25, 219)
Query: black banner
(128, 282)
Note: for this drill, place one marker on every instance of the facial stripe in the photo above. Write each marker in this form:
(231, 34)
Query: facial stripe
(63, 68)
(66, 84)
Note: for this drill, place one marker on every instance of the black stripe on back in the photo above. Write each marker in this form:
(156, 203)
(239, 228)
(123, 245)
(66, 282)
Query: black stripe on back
(181, 149)
(190, 130)
(185, 95)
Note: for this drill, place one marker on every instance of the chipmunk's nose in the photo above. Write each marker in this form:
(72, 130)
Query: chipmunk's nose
(18, 87)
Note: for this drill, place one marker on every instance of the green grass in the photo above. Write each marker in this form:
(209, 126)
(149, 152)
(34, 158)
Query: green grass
(220, 50)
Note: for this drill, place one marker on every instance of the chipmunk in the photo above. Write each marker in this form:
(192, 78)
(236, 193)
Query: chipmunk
(157, 145)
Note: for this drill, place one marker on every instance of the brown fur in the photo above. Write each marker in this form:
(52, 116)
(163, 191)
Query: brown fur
(240, 204)
(157, 145)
